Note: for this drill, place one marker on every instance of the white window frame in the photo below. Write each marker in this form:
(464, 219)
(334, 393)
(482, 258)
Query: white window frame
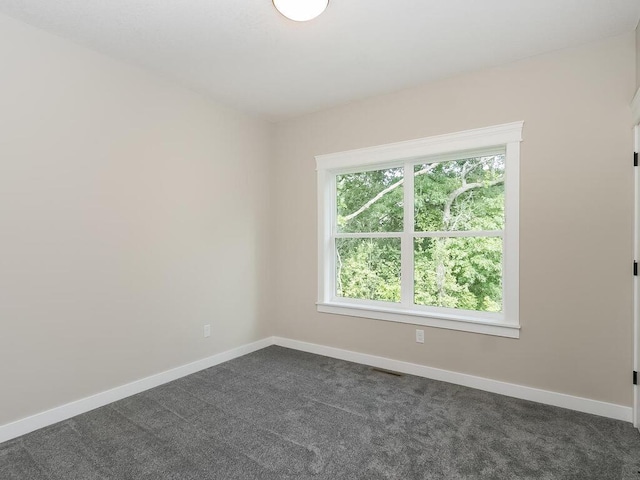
(500, 138)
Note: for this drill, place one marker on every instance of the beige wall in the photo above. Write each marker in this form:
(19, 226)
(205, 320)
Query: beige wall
(576, 219)
(638, 56)
(132, 213)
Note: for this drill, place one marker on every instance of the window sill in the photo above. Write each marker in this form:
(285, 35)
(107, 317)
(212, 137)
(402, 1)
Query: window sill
(450, 322)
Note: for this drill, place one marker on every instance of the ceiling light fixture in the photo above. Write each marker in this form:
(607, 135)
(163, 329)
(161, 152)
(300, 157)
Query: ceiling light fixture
(301, 10)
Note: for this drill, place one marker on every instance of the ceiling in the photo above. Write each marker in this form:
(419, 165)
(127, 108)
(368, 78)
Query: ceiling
(244, 54)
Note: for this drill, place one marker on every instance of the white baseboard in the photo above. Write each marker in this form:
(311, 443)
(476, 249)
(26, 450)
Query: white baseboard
(580, 404)
(64, 412)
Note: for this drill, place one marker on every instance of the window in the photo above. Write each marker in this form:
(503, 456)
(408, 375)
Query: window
(424, 232)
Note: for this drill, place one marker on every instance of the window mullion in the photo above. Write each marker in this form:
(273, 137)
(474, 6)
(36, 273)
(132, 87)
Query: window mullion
(369, 235)
(460, 234)
(407, 283)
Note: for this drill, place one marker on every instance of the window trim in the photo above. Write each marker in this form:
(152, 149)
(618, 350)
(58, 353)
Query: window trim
(506, 137)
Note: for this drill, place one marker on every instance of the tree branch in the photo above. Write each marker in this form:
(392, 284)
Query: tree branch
(446, 217)
(390, 188)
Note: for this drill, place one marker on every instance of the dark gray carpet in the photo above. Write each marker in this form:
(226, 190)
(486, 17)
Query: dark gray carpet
(282, 414)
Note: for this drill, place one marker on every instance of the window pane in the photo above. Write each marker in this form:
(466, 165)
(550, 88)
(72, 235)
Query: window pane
(463, 273)
(368, 268)
(370, 201)
(460, 195)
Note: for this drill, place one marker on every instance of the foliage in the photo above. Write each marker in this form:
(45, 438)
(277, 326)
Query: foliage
(369, 268)
(449, 196)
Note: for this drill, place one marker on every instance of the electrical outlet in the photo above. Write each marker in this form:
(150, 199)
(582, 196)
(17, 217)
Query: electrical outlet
(207, 330)
(419, 336)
